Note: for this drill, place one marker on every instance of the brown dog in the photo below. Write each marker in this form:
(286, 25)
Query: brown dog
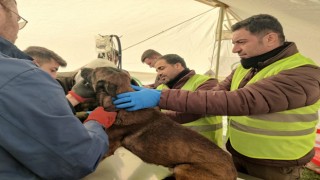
(155, 138)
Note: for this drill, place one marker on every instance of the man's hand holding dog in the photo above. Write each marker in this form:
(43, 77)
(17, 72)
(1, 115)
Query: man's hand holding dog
(140, 99)
(105, 118)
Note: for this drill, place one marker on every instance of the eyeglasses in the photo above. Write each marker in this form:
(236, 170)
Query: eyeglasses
(22, 22)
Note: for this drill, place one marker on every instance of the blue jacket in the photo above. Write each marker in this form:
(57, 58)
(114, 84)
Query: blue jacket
(40, 138)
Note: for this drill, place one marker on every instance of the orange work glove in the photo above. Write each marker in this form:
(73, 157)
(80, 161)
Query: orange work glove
(105, 118)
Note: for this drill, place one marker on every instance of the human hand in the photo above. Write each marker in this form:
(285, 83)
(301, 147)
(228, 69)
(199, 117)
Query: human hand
(140, 99)
(105, 118)
(82, 91)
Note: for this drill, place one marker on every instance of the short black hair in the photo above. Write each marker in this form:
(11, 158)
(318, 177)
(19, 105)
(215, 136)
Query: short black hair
(174, 59)
(149, 54)
(260, 25)
(44, 55)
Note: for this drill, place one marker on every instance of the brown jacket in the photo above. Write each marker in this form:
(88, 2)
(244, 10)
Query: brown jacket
(290, 89)
(187, 117)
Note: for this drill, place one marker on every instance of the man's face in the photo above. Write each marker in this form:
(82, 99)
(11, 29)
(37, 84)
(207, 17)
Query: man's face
(51, 67)
(150, 61)
(248, 45)
(166, 71)
(9, 27)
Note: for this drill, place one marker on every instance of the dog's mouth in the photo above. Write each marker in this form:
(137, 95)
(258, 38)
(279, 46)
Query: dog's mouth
(104, 97)
(105, 101)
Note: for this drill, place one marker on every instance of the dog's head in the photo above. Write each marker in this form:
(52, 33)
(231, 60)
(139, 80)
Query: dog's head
(107, 82)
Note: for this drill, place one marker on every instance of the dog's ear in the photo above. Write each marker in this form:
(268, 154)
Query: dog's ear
(86, 74)
(107, 87)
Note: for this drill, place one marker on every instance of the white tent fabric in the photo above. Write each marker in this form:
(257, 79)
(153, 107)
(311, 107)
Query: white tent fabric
(184, 27)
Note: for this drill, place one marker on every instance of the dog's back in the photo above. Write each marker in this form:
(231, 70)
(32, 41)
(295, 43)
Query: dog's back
(156, 139)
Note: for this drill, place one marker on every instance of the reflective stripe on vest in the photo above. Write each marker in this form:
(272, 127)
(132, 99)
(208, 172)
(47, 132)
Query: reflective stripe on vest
(208, 126)
(204, 128)
(286, 135)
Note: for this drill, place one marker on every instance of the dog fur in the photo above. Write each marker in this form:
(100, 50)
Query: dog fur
(156, 139)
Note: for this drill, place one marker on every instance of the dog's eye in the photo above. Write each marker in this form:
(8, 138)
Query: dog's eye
(87, 84)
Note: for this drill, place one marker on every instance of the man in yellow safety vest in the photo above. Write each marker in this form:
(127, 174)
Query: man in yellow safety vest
(173, 72)
(271, 99)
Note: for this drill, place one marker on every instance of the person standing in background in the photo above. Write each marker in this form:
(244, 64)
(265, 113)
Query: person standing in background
(149, 57)
(46, 59)
(175, 74)
(50, 62)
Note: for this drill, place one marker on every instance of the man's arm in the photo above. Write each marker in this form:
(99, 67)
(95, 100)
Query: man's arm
(289, 89)
(185, 117)
(44, 135)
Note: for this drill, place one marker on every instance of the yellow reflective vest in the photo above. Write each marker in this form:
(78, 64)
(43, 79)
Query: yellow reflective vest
(286, 135)
(208, 126)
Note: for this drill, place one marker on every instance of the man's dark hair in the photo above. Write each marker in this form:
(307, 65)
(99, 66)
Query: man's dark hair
(261, 24)
(174, 59)
(150, 53)
(44, 55)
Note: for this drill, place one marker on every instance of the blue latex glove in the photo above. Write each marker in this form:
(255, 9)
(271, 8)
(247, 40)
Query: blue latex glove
(140, 99)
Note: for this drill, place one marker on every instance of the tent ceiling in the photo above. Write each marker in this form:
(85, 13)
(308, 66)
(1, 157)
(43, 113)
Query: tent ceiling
(184, 27)
(300, 19)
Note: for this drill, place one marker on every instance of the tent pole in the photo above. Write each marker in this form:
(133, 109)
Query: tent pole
(219, 30)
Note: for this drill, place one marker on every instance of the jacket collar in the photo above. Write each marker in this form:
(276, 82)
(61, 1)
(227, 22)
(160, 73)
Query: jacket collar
(263, 60)
(180, 79)
(10, 50)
